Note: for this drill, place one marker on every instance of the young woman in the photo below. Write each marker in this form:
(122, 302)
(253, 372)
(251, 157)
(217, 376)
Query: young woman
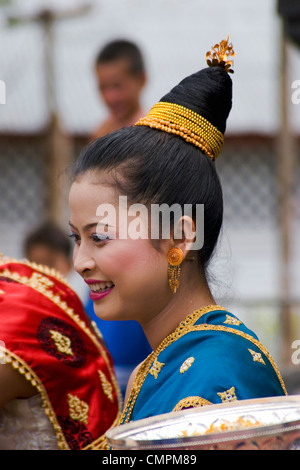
(202, 353)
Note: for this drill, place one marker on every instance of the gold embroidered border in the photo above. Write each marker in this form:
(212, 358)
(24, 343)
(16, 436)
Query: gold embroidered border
(185, 327)
(191, 402)
(56, 299)
(249, 338)
(182, 329)
(37, 267)
(24, 369)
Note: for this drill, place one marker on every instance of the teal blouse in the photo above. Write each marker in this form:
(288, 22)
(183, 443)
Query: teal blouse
(212, 357)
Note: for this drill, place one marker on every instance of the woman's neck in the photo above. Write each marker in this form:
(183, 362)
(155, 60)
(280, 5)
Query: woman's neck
(190, 296)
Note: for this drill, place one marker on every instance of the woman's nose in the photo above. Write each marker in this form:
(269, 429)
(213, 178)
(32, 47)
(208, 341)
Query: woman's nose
(82, 260)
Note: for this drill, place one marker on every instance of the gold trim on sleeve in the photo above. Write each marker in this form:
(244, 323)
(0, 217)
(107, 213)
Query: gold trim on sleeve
(191, 402)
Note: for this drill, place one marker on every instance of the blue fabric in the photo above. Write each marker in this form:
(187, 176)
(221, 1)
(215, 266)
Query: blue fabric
(220, 361)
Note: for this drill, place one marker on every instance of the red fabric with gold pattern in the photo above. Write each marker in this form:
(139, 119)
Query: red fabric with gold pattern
(46, 335)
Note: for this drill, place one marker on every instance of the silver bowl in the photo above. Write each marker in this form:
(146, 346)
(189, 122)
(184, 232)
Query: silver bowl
(271, 423)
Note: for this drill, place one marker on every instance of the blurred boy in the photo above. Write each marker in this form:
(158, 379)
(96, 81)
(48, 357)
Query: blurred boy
(121, 77)
(50, 246)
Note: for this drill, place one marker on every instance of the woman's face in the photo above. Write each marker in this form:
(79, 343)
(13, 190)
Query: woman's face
(127, 277)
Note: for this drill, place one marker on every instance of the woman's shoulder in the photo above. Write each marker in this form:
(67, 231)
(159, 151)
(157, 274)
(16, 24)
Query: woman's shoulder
(217, 346)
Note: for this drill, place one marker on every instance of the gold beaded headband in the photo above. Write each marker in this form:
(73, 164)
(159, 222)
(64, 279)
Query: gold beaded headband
(179, 120)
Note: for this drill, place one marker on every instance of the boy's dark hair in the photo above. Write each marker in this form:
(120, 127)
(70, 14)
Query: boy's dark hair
(50, 235)
(122, 49)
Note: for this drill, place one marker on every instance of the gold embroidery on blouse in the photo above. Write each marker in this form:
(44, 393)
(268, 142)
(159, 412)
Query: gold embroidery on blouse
(228, 395)
(185, 327)
(186, 364)
(156, 368)
(106, 385)
(257, 357)
(232, 321)
(62, 342)
(191, 402)
(78, 409)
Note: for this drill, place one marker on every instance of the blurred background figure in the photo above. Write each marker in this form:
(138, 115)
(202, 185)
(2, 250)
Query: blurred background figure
(121, 77)
(50, 246)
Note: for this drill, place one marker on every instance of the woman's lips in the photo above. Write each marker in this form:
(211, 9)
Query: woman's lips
(99, 289)
(99, 295)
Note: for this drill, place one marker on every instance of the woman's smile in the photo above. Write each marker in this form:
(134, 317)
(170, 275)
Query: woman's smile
(99, 289)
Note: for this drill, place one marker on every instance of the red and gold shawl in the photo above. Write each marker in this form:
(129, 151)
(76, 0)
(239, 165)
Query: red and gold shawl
(46, 335)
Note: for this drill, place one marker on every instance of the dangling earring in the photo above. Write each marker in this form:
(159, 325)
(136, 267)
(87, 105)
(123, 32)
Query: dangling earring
(175, 257)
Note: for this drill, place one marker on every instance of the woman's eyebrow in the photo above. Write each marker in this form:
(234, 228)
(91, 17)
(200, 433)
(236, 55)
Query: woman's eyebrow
(89, 226)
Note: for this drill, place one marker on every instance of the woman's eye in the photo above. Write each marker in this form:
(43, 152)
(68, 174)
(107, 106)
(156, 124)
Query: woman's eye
(74, 237)
(99, 237)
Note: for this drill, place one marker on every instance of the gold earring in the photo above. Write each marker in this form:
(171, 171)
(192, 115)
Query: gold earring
(175, 257)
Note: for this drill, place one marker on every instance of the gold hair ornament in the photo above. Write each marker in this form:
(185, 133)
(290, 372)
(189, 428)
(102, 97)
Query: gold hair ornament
(218, 56)
(175, 258)
(179, 120)
(192, 127)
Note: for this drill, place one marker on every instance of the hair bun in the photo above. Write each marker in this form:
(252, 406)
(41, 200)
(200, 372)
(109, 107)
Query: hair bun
(207, 93)
(198, 107)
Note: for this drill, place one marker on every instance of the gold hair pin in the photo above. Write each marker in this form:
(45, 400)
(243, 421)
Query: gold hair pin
(218, 56)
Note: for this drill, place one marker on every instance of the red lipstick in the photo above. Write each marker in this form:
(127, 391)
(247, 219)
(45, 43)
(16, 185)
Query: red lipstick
(94, 296)
(92, 281)
(99, 295)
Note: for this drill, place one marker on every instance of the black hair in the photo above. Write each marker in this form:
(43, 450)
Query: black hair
(152, 166)
(50, 235)
(122, 49)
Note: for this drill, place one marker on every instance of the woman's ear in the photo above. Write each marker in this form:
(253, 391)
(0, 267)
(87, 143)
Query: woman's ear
(184, 234)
